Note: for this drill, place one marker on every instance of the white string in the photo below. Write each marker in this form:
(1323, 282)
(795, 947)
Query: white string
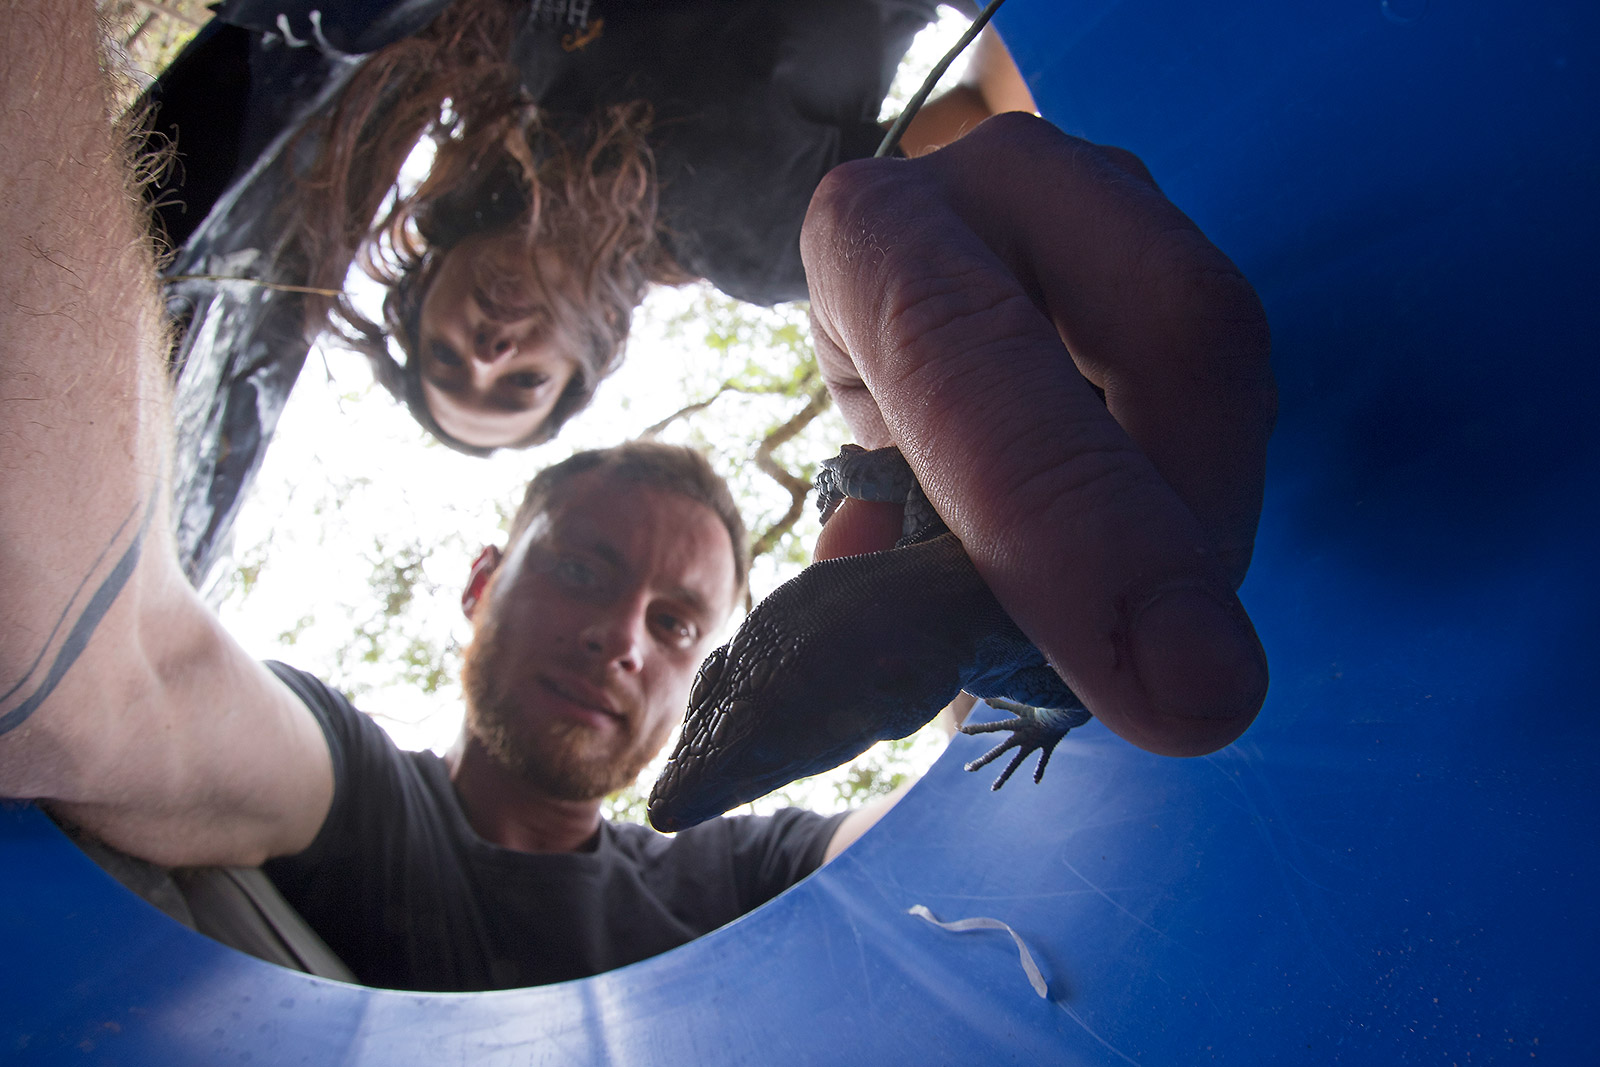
(1035, 978)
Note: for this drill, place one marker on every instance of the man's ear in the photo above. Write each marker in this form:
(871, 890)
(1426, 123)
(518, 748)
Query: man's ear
(483, 569)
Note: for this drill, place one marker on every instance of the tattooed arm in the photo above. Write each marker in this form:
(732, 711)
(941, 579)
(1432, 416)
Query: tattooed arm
(123, 704)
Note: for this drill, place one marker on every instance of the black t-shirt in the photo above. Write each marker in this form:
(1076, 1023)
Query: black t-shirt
(754, 101)
(400, 886)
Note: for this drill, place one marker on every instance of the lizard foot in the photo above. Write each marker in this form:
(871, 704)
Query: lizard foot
(1032, 729)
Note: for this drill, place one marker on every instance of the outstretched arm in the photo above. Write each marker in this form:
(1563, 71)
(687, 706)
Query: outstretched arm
(991, 85)
(122, 702)
(1080, 381)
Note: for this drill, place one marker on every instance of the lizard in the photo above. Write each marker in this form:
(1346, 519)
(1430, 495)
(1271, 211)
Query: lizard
(856, 650)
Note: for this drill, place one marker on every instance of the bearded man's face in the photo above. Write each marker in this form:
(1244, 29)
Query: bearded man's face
(588, 640)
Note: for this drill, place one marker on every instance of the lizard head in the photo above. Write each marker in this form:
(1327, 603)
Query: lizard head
(820, 671)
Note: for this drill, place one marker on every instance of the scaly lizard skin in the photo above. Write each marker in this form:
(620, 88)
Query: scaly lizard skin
(853, 651)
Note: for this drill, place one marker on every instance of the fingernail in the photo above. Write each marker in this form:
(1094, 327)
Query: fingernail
(1197, 657)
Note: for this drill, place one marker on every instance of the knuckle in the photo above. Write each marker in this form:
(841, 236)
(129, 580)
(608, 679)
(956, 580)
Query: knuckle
(848, 198)
(1015, 132)
(947, 327)
(1189, 279)
(954, 303)
(1210, 312)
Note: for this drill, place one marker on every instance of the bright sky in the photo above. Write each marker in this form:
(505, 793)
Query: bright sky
(351, 483)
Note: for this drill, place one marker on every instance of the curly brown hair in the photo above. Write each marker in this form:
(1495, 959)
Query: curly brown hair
(579, 190)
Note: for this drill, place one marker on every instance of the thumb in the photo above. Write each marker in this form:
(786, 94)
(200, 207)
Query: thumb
(1084, 540)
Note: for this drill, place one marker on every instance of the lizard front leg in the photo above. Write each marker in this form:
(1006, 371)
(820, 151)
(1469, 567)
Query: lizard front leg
(1009, 673)
(1031, 729)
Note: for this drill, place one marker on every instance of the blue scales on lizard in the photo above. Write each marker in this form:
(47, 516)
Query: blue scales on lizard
(827, 665)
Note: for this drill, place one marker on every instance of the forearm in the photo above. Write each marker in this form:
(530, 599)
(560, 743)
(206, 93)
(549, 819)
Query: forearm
(120, 697)
(993, 75)
(861, 820)
(991, 85)
(82, 417)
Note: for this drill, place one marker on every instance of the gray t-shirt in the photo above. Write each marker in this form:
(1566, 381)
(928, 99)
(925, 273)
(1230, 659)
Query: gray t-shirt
(410, 897)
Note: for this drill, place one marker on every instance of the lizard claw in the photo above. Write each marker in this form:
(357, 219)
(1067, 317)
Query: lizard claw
(1019, 727)
(1032, 729)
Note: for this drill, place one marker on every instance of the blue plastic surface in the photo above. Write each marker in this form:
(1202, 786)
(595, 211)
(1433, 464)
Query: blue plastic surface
(1396, 865)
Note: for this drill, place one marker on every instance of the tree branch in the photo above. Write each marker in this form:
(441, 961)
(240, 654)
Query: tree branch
(651, 432)
(799, 488)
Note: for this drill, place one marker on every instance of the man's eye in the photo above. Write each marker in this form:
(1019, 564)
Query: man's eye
(681, 631)
(575, 572)
(528, 379)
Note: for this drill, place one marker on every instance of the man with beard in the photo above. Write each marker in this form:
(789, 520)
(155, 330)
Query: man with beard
(1108, 494)
(493, 868)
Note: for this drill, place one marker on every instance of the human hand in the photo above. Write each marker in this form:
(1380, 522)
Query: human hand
(971, 307)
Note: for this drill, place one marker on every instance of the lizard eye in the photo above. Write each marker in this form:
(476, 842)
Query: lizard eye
(710, 674)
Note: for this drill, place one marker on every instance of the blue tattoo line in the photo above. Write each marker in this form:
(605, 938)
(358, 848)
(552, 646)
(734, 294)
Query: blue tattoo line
(78, 637)
(51, 636)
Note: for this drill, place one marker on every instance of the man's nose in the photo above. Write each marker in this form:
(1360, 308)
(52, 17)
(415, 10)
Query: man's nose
(618, 637)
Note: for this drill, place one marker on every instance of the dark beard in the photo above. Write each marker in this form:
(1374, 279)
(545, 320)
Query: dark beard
(563, 759)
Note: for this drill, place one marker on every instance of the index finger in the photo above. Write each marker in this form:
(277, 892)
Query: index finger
(1114, 536)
